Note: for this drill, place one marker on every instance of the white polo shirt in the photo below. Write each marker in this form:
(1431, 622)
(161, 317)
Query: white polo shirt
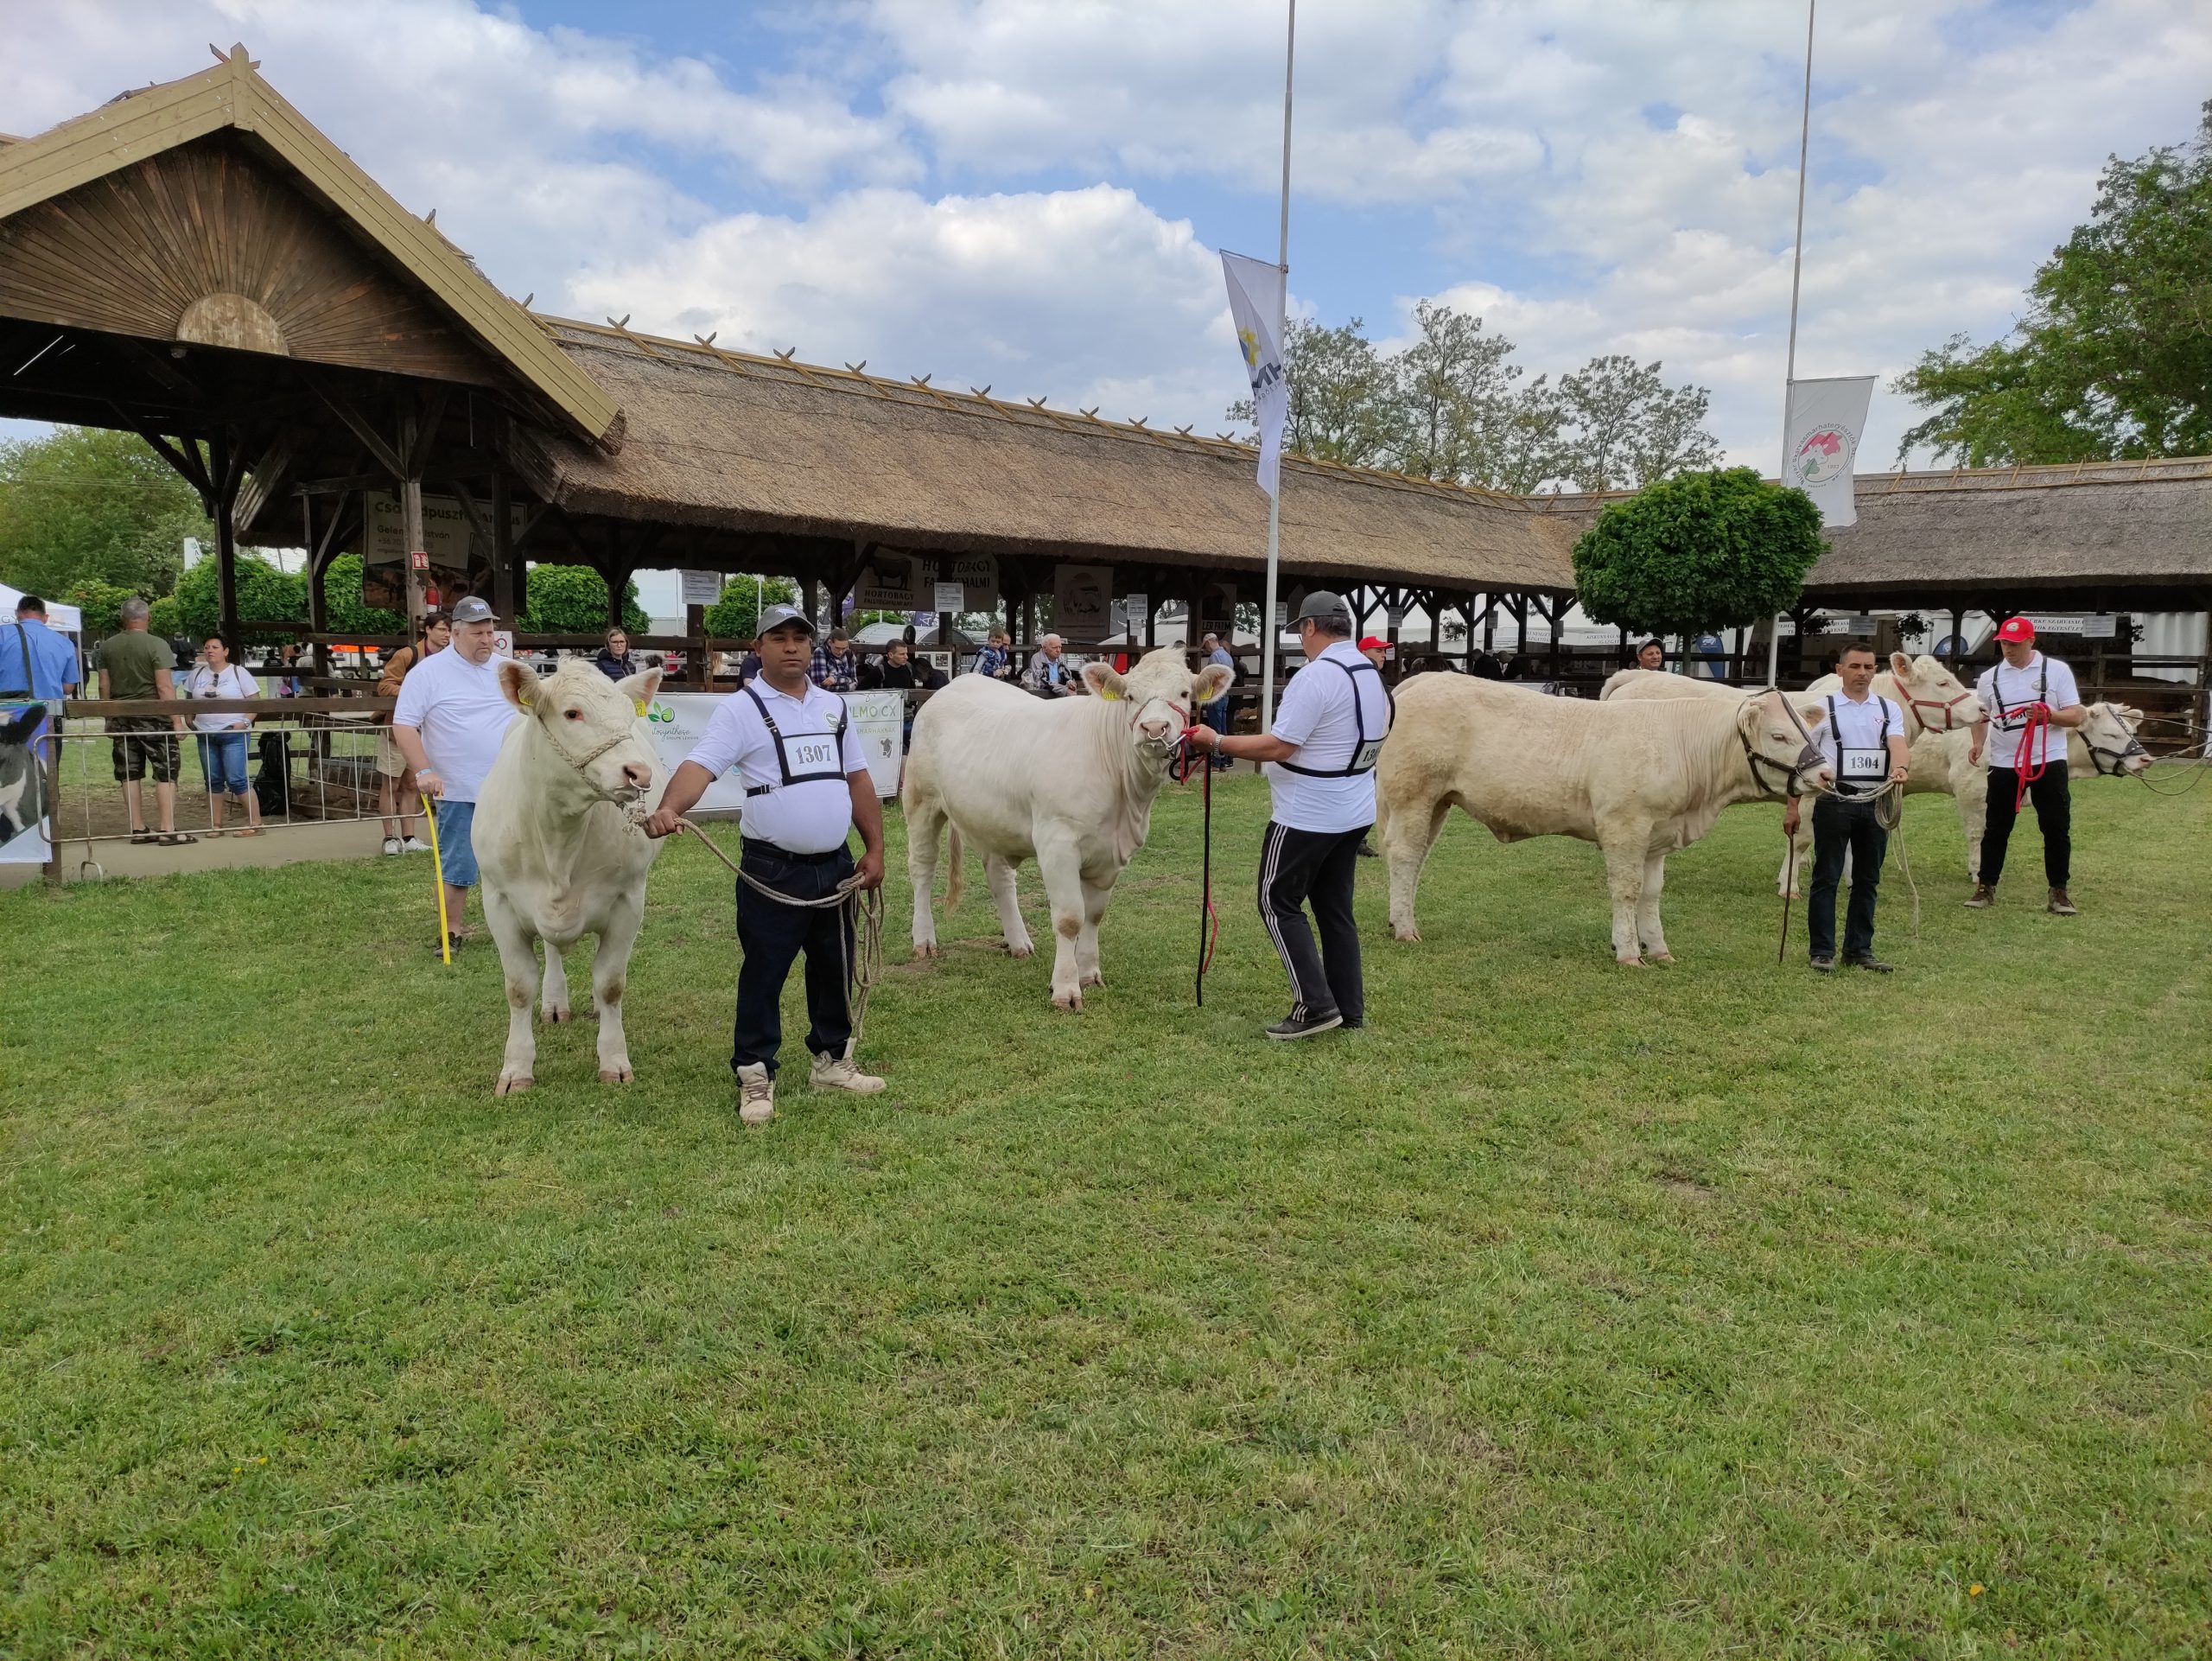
(458, 708)
(1324, 711)
(1854, 742)
(2018, 688)
(812, 817)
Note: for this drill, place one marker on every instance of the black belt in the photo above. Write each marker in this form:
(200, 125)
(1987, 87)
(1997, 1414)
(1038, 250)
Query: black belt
(757, 844)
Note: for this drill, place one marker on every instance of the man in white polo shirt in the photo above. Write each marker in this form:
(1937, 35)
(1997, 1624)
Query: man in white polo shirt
(807, 786)
(451, 719)
(1864, 739)
(1328, 732)
(2013, 691)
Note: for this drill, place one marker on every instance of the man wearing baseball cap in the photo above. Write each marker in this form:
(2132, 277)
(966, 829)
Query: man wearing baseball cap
(2012, 691)
(1321, 755)
(806, 786)
(447, 724)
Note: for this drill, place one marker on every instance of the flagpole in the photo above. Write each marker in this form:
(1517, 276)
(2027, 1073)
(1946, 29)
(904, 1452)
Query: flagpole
(1797, 269)
(1271, 635)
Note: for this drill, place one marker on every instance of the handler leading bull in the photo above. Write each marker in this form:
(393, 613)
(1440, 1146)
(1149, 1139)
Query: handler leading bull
(807, 786)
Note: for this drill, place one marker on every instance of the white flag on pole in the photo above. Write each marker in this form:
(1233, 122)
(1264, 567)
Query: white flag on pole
(1256, 304)
(1825, 420)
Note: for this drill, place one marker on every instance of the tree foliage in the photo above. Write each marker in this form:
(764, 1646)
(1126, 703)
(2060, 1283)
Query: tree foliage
(83, 504)
(734, 617)
(572, 599)
(101, 604)
(1451, 405)
(266, 595)
(344, 609)
(2114, 357)
(1714, 550)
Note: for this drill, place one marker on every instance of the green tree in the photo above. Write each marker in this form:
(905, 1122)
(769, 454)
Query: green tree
(85, 504)
(572, 599)
(1344, 406)
(2113, 358)
(101, 602)
(1716, 550)
(733, 617)
(344, 609)
(1625, 426)
(266, 595)
(1453, 389)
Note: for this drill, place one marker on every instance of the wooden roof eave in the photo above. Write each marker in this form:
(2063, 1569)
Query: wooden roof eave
(232, 94)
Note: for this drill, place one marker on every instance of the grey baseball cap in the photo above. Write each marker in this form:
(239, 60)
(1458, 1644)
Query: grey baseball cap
(470, 610)
(776, 617)
(1321, 605)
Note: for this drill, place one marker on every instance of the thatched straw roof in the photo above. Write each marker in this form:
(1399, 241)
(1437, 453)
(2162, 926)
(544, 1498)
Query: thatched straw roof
(726, 439)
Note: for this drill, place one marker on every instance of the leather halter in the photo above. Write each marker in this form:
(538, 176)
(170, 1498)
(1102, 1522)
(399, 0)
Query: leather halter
(1950, 722)
(1790, 771)
(2099, 753)
(580, 762)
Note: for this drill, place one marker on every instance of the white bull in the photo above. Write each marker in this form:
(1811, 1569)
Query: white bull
(561, 853)
(1641, 778)
(1069, 782)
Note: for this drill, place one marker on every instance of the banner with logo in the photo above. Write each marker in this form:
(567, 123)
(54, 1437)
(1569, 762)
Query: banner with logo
(880, 719)
(1824, 422)
(1255, 305)
(24, 808)
(1082, 601)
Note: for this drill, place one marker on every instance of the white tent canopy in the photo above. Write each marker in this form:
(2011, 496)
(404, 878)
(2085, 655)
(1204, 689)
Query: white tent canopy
(66, 618)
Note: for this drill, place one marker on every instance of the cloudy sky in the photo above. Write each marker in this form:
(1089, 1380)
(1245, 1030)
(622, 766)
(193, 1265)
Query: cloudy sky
(1031, 193)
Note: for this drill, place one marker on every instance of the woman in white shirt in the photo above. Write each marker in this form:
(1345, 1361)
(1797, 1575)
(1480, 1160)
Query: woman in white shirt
(222, 736)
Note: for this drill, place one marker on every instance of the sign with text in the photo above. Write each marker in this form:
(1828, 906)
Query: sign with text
(896, 582)
(678, 721)
(1082, 607)
(879, 720)
(950, 596)
(701, 588)
(2085, 629)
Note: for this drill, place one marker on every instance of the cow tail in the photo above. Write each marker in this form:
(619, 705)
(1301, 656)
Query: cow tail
(952, 854)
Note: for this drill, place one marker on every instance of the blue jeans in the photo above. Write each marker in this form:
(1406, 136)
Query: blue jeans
(1215, 716)
(222, 759)
(456, 854)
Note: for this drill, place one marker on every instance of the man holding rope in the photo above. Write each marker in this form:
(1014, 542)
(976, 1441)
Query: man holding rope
(2036, 701)
(1863, 740)
(807, 786)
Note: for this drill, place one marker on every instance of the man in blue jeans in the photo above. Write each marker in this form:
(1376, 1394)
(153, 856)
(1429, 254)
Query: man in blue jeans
(807, 788)
(448, 723)
(1216, 714)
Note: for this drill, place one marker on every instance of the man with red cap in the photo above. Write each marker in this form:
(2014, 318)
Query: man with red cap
(2030, 700)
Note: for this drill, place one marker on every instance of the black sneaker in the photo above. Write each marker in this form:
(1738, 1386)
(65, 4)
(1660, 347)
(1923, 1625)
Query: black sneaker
(1305, 1027)
(1874, 963)
(1823, 966)
(1367, 850)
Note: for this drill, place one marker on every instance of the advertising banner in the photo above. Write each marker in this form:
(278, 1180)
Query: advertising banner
(23, 806)
(1824, 422)
(879, 718)
(678, 721)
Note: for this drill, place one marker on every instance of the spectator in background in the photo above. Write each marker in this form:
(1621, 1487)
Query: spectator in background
(34, 661)
(1216, 714)
(995, 660)
(1050, 672)
(135, 664)
(836, 669)
(900, 670)
(222, 737)
(1375, 650)
(614, 660)
(451, 718)
(399, 827)
(1651, 655)
(748, 666)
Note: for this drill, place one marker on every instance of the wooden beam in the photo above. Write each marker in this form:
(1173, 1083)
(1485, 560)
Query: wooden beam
(359, 425)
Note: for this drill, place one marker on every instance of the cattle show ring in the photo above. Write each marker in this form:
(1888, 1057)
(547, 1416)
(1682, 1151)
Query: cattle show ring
(399, 1262)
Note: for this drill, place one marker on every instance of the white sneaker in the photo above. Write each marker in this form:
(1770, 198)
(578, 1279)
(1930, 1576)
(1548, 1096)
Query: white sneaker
(391, 844)
(756, 1094)
(838, 1072)
(415, 845)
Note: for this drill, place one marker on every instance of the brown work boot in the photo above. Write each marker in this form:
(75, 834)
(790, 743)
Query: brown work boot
(1983, 894)
(838, 1072)
(756, 1094)
(2060, 906)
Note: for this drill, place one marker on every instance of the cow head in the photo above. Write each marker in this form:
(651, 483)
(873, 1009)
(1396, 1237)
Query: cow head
(2107, 732)
(590, 722)
(1776, 731)
(1935, 699)
(1160, 695)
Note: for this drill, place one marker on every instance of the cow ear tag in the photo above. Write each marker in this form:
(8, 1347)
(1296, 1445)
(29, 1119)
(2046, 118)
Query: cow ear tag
(1109, 694)
(642, 706)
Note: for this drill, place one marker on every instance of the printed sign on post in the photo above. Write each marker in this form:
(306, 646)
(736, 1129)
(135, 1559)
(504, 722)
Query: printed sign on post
(950, 596)
(880, 721)
(701, 588)
(1081, 607)
(1136, 611)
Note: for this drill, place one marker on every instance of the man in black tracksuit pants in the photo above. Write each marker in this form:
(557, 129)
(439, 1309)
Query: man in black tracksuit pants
(1322, 748)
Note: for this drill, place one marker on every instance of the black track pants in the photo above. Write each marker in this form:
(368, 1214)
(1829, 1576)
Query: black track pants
(1840, 827)
(771, 935)
(2054, 814)
(1298, 867)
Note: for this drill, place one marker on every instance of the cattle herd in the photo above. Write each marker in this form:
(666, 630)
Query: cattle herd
(1642, 773)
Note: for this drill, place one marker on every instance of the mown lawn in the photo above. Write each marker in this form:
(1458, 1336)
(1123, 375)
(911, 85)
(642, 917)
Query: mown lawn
(1567, 1311)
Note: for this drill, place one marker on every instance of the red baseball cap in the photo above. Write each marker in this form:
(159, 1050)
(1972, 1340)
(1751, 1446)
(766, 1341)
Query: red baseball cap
(1370, 643)
(2017, 629)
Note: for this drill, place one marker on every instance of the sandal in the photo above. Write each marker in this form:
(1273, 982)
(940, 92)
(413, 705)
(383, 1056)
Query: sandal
(140, 837)
(247, 831)
(176, 839)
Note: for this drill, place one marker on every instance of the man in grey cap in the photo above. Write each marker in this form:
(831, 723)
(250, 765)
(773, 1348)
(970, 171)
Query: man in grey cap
(448, 723)
(807, 788)
(1321, 755)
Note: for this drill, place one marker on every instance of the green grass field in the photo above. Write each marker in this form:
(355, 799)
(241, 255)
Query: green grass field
(1567, 1311)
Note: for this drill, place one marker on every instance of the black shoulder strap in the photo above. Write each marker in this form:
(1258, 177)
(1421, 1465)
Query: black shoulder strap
(30, 681)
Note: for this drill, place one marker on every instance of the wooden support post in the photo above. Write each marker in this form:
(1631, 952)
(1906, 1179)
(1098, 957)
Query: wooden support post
(503, 552)
(1520, 636)
(1490, 620)
(411, 515)
(221, 469)
(695, 638)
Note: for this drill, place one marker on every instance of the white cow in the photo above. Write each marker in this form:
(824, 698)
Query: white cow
(1934, 701)
(558, 839)
(1069, 782)
(1641, 778)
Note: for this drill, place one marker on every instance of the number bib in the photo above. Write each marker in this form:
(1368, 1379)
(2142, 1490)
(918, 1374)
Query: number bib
(807, 757)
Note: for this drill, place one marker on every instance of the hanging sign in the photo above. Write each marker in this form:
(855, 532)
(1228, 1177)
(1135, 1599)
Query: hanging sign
(1081, 607)
(950, 596)
(2086, 628)
(1136, 612)
(897, 582)
(1395, 615)
(701, 588)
